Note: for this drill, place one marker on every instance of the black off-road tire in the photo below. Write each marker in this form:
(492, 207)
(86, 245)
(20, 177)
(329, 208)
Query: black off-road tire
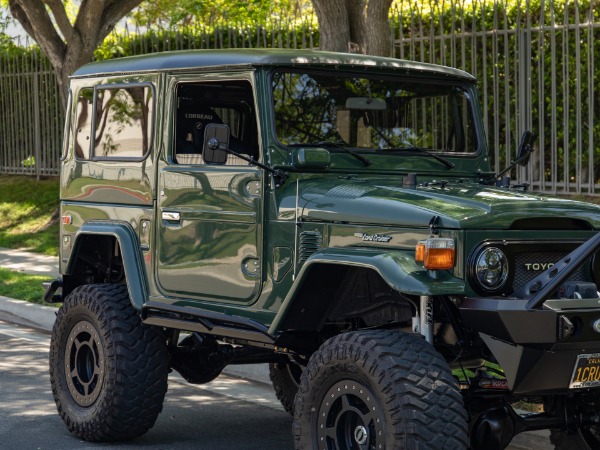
(584, 439)
(108, 370)
(286, 381)
(378, 390)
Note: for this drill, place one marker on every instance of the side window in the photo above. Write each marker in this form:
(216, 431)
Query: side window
(123, 122)
(83, 123)
(228, 103)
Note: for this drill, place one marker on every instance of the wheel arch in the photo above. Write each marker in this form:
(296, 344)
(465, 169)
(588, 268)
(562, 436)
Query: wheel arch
(122, 235)
(320, 277)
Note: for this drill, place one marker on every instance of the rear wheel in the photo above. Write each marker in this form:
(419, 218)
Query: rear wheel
(378, 390)
(107, 369)
(286, 381)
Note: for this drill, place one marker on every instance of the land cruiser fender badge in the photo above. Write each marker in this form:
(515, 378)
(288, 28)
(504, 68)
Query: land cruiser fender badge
(373, 237)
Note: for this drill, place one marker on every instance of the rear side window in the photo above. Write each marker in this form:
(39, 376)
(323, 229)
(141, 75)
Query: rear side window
(123, 122)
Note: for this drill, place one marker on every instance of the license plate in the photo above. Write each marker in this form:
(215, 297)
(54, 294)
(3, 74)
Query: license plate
(586, 373)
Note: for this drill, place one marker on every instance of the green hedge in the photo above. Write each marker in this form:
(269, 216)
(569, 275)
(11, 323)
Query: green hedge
(469, 42)
(497, 68)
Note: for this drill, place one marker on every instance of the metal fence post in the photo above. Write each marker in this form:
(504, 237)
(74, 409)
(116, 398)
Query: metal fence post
(37, 125)
(524, 96)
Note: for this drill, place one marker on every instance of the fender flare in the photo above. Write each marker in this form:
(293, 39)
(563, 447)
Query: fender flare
(133, 263)
(397, 268)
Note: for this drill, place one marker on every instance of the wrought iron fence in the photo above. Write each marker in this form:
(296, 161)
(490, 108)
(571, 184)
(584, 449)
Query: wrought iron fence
(535, 63)
(536, 66)
(31, 119)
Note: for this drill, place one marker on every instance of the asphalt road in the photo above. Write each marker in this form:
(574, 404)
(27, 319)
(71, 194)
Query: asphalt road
(228, 414)
(225, 414)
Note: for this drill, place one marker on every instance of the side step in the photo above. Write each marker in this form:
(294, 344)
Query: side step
(207, 322)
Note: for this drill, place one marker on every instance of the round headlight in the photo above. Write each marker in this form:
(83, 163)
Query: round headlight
(491, 268)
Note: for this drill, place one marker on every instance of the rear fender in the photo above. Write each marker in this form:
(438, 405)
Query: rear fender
(137, 282)
(397, 268)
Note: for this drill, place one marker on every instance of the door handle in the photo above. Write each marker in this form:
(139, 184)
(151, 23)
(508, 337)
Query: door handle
(171, 216)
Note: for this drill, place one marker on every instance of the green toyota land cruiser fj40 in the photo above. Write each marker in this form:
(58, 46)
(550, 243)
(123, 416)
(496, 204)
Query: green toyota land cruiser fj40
(336, 217)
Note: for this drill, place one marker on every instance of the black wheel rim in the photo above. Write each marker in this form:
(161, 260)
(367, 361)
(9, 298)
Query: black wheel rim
(591, 436)
(350, 418)
(84, 363)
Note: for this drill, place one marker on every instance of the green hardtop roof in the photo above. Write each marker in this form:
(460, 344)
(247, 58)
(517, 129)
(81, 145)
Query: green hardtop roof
(205, 59)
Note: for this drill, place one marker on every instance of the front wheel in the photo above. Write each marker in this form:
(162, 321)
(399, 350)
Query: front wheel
(585, 438)
(108, 370)
(378, 390)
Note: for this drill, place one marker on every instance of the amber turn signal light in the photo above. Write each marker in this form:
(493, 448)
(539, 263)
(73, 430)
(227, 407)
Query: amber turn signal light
(436, 253)
(420, 252)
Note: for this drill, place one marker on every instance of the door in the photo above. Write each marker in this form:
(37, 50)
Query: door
(209, 216)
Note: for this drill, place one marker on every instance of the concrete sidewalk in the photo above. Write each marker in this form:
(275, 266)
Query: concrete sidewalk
(28, 262)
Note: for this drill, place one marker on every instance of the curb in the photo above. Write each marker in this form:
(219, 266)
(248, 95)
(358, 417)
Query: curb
(42, 318)
(28, 314)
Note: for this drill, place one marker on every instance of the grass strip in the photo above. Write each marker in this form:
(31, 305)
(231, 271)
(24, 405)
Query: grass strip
(26, 214)
(22, 286)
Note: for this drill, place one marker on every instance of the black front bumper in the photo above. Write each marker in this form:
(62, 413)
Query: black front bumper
(537, 349)
(535, 338)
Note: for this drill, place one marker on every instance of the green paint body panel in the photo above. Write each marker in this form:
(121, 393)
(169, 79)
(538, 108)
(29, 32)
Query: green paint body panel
(224, 238)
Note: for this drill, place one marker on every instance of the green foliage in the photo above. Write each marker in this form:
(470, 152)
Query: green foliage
(26, 209)
(212, 13)
(29, 161)
(551, 69)
(22, 286)
(5, 21)
(284, 34)
(486, 38)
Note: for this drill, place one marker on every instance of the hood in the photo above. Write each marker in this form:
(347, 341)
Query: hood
(460, 205)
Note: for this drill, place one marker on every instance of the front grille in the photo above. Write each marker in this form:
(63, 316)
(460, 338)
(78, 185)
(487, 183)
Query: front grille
(528, 265)
(526, 261)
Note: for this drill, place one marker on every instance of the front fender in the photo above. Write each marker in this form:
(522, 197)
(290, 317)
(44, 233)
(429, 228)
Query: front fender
(137, 282)
(397, 268)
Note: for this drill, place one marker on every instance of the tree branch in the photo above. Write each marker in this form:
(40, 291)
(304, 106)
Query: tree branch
(88, 21)
(28, 12)
(60, 15)
(114, 11)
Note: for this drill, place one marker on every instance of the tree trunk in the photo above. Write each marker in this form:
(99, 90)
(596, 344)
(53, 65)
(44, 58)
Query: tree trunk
(334, 27)
(356, 26)
(68, 46)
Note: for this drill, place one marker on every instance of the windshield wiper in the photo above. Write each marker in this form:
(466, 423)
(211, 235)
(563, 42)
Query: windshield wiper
(327, 144)
(444, 161)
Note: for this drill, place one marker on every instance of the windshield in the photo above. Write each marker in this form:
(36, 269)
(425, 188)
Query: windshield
(371, 112)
